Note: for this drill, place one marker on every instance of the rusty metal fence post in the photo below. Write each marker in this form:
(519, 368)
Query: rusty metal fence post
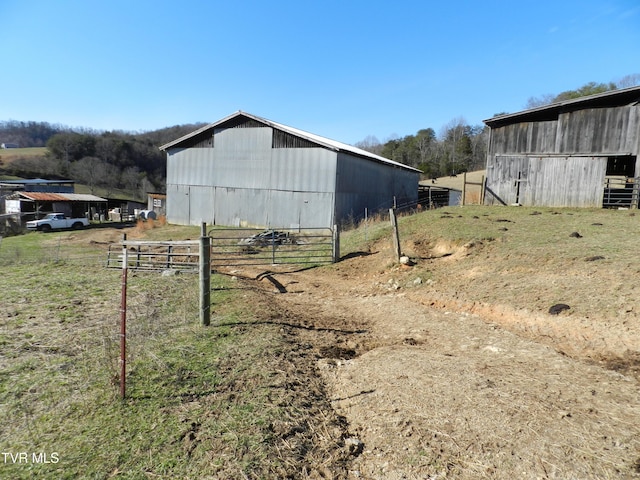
(205, 276)
(123, 321)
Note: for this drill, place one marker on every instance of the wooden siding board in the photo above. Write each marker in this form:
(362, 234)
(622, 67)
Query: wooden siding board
(633, 132)
(602, 130)
(563, 161)
(548, 181)
(567, 181)
(502, 180)
(530, 137)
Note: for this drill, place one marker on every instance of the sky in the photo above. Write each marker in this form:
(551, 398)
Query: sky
(343, 69)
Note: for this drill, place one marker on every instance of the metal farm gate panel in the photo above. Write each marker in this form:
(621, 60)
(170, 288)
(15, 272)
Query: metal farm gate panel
(231, 247)
(156, 255)
(246, 246)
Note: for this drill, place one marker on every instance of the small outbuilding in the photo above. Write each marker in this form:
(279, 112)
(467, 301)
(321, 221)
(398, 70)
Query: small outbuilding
(35, 205)
(157, 203)
(246, 170)
(575, 153)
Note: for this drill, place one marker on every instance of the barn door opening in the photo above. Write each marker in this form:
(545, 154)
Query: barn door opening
(620, 184)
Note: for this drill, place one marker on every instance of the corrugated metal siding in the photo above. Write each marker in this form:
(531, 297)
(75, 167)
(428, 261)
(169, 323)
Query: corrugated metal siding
(201, 204)
(193, 166)
(178, 204)
(300, 209)
(362, 184)
(303, 169)
(240, 207)
(243, 181)
(191, 205)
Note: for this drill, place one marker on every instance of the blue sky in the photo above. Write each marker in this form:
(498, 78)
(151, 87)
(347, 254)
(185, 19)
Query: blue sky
(342, 69)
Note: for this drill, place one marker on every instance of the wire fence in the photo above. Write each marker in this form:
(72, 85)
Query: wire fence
(56, 251)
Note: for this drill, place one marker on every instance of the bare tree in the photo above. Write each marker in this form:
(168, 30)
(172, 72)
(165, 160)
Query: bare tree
(629, 81)
(542, 100)
(91, 171)
(370, 144)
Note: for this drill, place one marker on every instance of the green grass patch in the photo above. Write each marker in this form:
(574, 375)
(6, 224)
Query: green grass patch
(199, 402)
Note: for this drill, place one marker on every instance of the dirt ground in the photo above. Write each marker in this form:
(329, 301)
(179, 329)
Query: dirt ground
(430, 384)
(434, 387)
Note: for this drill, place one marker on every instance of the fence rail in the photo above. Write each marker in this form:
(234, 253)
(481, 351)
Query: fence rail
(229, 247)
(621, 192)
(156, 255)
(245, 246)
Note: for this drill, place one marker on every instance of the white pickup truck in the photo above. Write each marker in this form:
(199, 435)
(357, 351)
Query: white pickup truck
(57, 221)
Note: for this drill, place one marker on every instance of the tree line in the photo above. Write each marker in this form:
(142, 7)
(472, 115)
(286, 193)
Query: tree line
(106, 160)
(459, 148)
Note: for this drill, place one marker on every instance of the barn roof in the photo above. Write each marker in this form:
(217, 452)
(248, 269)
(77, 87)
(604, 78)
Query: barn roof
(60, 197)
(614, 98)
(317, 139)
(36, 181)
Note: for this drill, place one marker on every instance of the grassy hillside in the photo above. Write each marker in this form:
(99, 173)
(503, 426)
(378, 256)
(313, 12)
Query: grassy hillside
(8, 155)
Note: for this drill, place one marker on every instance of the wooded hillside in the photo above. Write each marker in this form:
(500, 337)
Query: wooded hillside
(107, 160)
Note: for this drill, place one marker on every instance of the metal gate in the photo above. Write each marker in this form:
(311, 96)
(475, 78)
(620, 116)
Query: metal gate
(247, 246)
(621, 192)
(231, 247)
(156, 255)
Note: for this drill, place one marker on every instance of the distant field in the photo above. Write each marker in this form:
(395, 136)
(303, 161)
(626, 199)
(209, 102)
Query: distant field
(457, 180)
(7, 155)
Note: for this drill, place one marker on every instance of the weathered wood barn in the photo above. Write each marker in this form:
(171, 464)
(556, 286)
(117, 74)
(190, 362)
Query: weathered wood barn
(575, 153)
(249, 171)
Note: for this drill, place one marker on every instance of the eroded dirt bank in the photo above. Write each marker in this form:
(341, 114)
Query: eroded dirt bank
(431, 389)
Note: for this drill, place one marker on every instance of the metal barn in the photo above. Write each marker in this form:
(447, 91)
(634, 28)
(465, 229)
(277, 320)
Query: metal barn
(576, 153)
(249, 171)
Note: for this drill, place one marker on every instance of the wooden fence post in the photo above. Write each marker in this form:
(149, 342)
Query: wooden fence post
(396, 234)
(205, 276)
(464, 189)
(336, 244)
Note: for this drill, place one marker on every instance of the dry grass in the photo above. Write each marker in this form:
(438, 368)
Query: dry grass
(224, 402)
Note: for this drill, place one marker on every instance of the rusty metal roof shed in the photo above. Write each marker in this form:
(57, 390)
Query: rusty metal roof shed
(60, 197)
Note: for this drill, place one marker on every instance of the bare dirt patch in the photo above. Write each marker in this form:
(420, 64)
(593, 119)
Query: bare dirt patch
(434, 382)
